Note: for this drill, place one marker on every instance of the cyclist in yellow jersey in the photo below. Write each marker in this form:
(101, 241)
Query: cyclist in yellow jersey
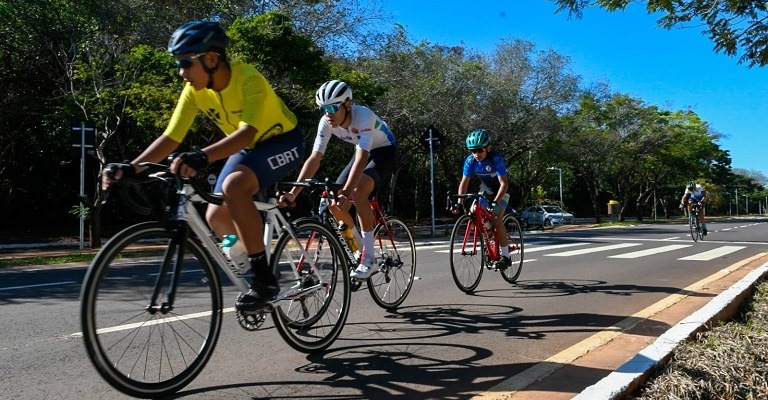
(262, 143)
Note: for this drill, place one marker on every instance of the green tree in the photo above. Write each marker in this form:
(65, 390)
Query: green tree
(591, 145)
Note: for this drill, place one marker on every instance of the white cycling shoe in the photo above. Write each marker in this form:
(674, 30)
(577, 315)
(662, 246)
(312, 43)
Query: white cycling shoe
(365, 269)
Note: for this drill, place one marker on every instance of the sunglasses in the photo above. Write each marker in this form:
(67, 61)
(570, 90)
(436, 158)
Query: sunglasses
(330, 109)
(187, 62)
(478, 151)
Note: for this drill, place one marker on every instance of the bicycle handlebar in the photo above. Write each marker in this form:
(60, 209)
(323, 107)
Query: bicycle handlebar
(465, 197)
(327, 185)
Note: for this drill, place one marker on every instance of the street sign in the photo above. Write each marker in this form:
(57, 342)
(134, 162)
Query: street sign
(433, 135)
(83, 135)
(212, 181)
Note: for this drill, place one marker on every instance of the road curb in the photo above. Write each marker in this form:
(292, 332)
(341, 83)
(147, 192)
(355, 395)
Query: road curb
(628, 377)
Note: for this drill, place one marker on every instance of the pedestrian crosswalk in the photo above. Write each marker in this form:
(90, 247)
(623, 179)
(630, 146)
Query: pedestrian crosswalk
(688, 252)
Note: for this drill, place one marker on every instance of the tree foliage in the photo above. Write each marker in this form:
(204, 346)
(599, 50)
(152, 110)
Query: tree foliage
(736, 27)
(107, 62)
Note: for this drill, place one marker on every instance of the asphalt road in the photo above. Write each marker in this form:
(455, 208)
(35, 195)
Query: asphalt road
(440, 344)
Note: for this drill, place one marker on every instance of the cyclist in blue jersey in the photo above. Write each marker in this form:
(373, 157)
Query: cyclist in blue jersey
(489, 166)
(695, 192)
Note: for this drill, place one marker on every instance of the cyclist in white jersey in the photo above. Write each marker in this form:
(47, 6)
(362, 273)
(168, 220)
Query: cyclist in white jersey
(695, 192)
(374, 159)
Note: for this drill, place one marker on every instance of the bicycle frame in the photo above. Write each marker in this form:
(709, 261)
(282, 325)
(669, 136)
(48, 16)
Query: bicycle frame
(479, 215)
(324, 214)
(187, 218)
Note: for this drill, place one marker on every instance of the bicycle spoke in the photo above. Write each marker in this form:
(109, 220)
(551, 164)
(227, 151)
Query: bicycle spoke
(396, 254)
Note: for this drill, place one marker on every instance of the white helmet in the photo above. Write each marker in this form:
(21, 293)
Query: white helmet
(333, 92)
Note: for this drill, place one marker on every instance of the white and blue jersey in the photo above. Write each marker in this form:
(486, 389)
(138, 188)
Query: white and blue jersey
(697, 194)
(366, 131)
(488, 171)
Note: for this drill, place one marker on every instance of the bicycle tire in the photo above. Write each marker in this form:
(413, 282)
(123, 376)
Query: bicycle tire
(142, 353)
(692, 226)
(311, 323)
(397, 257)
(467, 266)
(516, 249)
(698, 228)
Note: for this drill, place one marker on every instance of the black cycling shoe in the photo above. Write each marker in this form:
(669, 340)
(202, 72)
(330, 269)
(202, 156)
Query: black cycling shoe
(258, 296)
(503, 263)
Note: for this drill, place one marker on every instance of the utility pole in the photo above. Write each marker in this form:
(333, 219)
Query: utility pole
(560, 175)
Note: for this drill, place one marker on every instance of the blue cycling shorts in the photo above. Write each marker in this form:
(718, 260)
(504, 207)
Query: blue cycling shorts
(270, 160)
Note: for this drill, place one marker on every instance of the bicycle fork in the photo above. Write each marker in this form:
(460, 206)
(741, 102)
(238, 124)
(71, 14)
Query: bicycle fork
(172, 260)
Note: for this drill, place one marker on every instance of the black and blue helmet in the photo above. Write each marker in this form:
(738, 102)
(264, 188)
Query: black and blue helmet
(196, 37)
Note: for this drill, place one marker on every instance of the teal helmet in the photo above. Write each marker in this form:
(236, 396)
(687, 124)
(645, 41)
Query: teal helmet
(478, 138)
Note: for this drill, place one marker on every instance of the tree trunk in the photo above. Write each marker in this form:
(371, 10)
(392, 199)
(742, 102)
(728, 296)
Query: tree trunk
(94, 227)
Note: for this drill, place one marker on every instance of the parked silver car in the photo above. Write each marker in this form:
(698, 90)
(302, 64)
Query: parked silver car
(545, 215)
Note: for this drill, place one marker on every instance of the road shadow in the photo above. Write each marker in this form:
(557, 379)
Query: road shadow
(404, 358)
(373, 372)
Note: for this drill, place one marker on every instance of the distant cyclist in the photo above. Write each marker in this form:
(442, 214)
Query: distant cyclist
(489, 166)
(262, 142)
(694, 192)
(374, 159)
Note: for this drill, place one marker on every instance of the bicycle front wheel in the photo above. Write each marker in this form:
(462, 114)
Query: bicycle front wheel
(467, 254)
(141, 349)
(312, 319)
(516, 247)
(698, 228)
(397, 258)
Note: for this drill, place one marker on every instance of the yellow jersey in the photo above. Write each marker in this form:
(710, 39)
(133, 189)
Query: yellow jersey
(248, 99)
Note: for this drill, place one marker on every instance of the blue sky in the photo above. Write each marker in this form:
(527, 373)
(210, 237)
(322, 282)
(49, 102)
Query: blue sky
(673, 69)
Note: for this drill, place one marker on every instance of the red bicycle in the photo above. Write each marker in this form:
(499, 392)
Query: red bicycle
(474, 246)
(395, 248)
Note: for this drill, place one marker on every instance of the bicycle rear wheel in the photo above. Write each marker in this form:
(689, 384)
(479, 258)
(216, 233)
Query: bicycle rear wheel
(467, 254)
(516, 247)
(310, 322)
(150, 351)
(397, 257)
(693, 224)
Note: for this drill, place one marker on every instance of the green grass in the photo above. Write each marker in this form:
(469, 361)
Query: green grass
(45, 260)
(726, 362)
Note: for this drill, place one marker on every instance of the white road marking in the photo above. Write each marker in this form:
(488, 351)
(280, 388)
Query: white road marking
(714, 253)
(655, 250)
(38, 285)
(593, 250)
(552, 247)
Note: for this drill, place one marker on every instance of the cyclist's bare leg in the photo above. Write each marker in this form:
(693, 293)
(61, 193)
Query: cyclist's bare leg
(220, 220)
(362, 205)
(501, 230)
(238, 210)
(365, 216)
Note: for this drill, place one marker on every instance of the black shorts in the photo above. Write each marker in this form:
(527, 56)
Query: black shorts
(381, 163)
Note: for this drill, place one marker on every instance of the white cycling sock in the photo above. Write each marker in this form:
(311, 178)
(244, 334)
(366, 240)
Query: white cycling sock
(368, 246)
(504, 250)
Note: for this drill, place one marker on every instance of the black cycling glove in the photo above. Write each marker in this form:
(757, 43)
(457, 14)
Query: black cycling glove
(128, 170)
(195, 159)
